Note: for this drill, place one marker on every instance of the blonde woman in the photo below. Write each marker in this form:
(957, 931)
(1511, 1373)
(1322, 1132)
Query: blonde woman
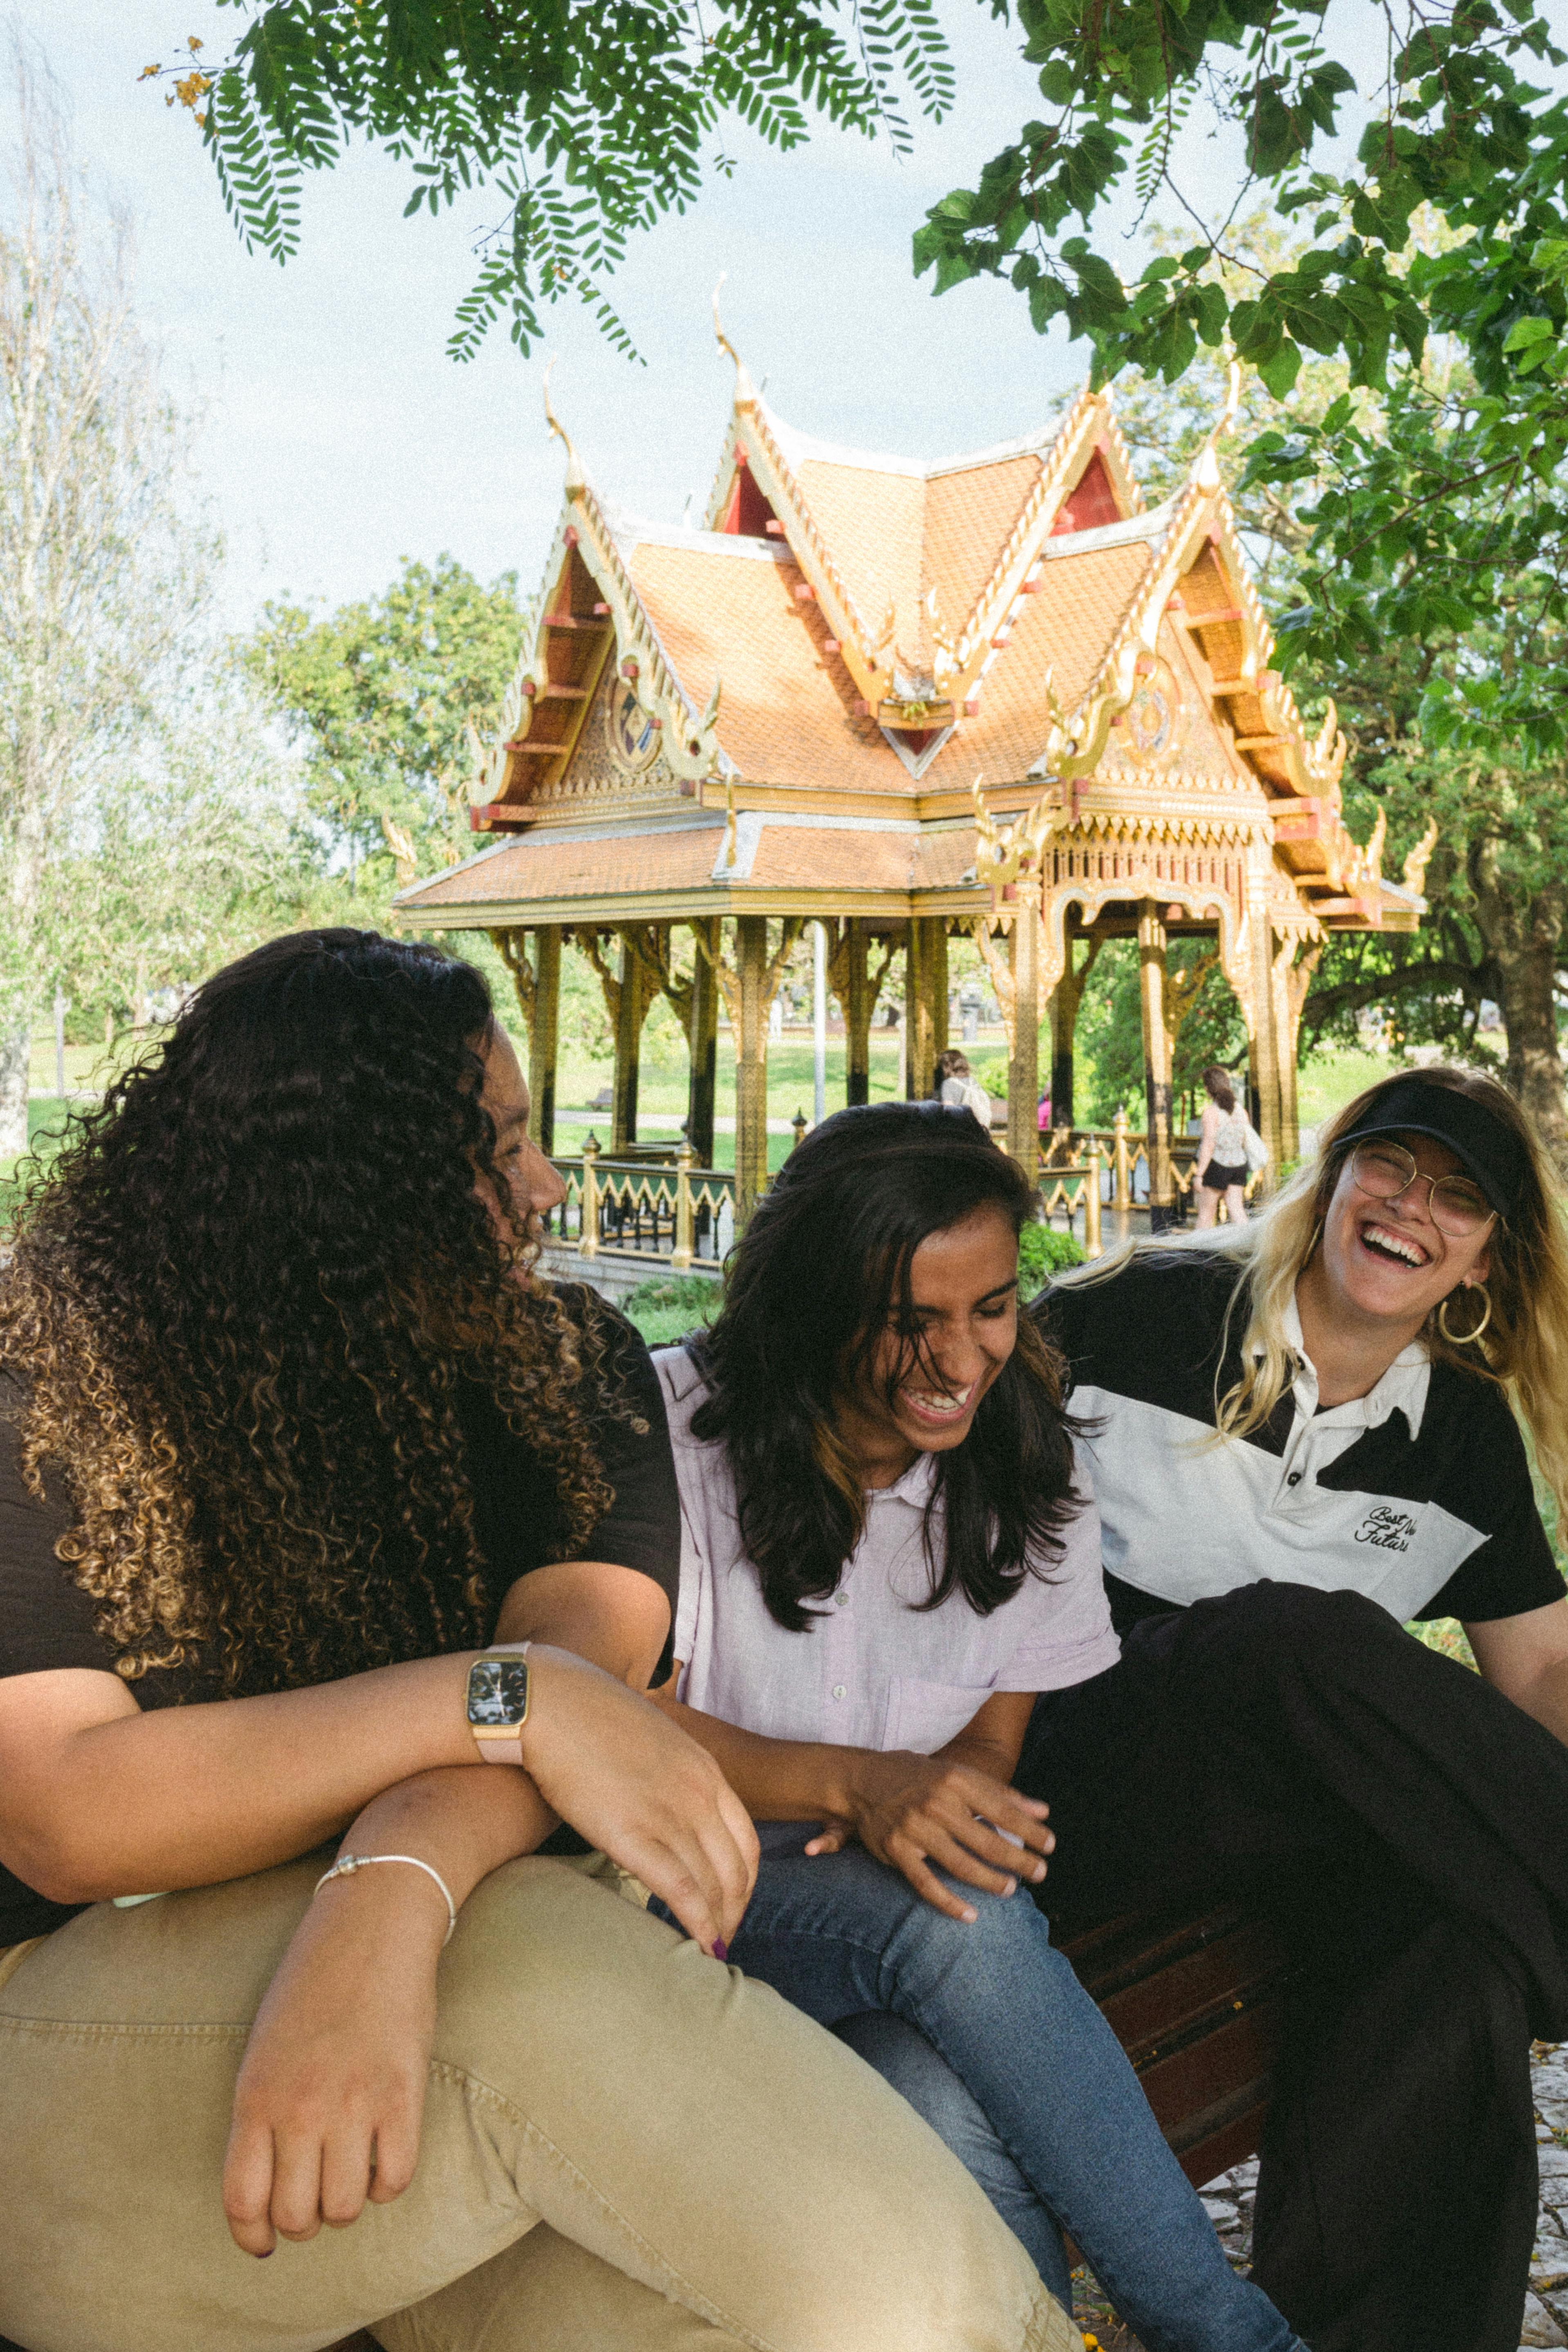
(1305, 1433)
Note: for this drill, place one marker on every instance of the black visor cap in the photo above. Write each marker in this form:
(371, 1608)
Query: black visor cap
(1484, 1148)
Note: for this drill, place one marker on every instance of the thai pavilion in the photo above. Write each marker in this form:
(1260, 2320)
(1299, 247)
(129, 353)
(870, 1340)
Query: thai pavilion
(997, 695)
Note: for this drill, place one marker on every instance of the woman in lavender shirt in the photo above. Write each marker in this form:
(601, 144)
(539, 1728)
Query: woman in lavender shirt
(889, 1547)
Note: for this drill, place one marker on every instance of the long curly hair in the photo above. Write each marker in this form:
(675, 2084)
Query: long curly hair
(820, 1273)
(247, 1302)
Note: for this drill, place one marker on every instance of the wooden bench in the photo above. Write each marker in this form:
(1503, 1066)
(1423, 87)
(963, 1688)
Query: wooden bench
(1198, 2004)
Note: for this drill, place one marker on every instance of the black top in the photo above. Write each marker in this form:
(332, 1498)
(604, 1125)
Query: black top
(1418, 1495)
(47, 1621)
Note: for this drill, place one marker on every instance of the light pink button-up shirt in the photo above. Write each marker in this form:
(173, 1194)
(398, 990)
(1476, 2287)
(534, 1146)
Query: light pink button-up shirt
(871, 1671)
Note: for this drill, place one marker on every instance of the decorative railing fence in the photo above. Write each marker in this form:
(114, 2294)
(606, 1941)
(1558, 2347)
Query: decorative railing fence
(643, 1207)
(1123, 1151)
(1086, 1177)
(637, 1208)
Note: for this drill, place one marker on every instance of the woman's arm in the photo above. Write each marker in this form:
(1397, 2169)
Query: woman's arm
(615, 1617)
(98, 1798)
(331, 2095)
(1526, 1657)
(1209, 1129)
(908, 1810)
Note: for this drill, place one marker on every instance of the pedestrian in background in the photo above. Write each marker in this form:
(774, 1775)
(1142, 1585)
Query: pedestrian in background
(1222, 1164)
(956, 1084)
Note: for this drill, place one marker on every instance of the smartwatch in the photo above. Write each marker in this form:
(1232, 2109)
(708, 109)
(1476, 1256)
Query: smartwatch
(498, 1702)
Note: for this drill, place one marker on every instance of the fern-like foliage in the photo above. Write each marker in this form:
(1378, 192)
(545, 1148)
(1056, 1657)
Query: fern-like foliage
(587, 123)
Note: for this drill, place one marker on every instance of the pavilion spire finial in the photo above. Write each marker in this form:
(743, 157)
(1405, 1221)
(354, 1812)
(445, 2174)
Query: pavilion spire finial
(1206, 471)
(1415, 864)
(745, 391)
(576, 479)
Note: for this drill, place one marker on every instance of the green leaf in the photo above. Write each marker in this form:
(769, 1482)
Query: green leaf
(1280, 369)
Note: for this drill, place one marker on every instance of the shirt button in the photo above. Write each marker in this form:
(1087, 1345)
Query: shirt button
(841, 1600)
(838, 1689)
(1294, 1479)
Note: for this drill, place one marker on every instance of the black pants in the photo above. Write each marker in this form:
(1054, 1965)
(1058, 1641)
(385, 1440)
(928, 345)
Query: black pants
(1408, 1826)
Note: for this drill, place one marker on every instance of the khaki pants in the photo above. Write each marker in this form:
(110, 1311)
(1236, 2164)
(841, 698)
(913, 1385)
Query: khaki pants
(626, 2148)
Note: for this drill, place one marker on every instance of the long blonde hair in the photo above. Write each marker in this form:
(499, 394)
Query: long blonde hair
(1524, 1349)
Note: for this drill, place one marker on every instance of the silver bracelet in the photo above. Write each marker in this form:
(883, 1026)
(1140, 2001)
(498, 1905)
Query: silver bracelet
(347, 1863)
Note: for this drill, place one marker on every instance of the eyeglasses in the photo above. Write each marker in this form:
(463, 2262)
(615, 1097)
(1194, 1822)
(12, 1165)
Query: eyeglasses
(1459, 1208)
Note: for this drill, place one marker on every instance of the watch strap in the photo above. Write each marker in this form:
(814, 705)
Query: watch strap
(502, 1746)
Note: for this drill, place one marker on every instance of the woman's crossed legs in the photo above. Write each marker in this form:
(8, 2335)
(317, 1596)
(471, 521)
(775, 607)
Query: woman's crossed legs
(714, 2172)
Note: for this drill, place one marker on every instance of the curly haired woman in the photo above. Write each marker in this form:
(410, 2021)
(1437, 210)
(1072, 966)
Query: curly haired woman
(293, 1432)
(1307, 1433)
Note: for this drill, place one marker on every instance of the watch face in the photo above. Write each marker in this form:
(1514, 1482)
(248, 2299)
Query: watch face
(498, 1691)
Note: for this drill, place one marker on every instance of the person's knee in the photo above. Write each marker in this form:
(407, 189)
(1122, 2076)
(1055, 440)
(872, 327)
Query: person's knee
(932, 1952)
(542, 1950)
(1265, 1631)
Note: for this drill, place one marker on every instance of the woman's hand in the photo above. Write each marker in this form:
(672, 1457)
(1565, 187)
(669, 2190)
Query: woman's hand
(614, 1765)
(331, 2095)
(913, 1810)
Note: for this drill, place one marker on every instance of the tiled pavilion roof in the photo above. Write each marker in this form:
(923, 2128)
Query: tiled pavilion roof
(857, 637)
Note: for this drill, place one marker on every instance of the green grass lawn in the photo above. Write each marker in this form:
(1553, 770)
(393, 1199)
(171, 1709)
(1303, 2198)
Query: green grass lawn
(45, 1117)
(662, 1086)
(1326, 1082)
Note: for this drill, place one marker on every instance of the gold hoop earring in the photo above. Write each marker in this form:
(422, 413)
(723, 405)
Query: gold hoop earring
(1465, 1338)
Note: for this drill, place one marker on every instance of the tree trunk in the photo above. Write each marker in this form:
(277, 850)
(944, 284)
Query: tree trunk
(1527, 973)
(16, 1053)
(1525, 935)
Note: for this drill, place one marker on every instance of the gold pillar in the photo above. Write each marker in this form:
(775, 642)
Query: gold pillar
(1264, 1055)
(1290, 1108)
(1066, 998)
(925, 975)
(630, 1013)
(543, 1035)
(857, 1011)
(1024, 1062)
(751, 1067)
(703, 1046)
(1156, 1061)
(1293, 978)
(938, 988)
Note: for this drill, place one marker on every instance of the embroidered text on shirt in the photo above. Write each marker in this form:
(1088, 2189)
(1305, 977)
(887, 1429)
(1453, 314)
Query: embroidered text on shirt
(1389, 1530)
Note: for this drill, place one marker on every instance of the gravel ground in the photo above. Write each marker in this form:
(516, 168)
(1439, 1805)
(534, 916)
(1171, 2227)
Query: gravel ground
(1229, 2203)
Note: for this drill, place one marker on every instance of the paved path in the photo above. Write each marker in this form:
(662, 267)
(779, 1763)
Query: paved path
(1230, 2202)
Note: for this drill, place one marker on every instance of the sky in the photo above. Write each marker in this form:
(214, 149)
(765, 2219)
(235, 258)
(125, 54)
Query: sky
(337, 437)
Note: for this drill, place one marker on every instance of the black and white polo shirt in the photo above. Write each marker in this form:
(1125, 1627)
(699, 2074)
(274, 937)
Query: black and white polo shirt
(1417, 1495)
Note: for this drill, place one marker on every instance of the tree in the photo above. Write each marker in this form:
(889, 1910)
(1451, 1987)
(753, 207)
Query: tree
(100, 580)
(1455, 129)
(1447, 724)
(587, 124)
(379, 696)
(182, 858)
(1497, 884)
(1201, 1011)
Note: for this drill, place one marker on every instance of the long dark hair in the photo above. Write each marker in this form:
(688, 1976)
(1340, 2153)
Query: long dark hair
(1219, 1089)
(817, 1276)
(243, 1305)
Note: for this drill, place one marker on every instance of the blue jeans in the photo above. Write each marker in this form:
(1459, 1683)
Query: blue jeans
(1071, 2134)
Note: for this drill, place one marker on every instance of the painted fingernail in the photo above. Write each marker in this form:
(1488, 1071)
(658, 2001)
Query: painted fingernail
(970, 1918)
(266, 2254)
(721, 1948)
